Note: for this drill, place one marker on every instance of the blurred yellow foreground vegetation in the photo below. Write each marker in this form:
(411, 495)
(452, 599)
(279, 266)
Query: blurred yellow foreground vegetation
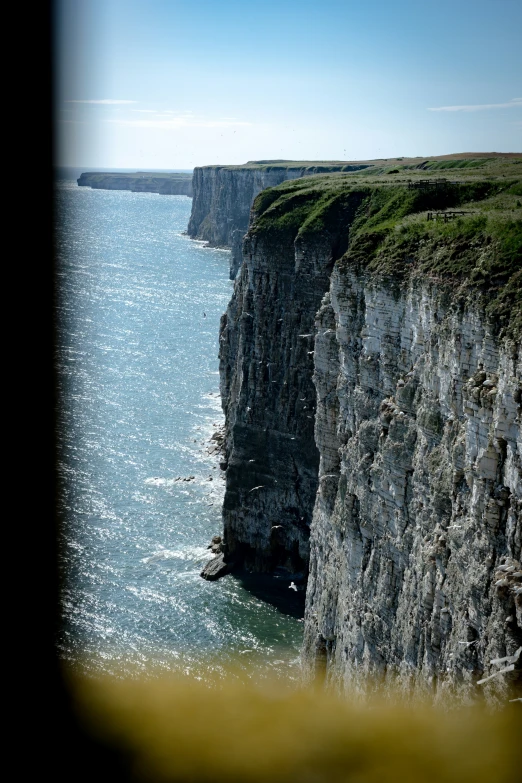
(181, 729)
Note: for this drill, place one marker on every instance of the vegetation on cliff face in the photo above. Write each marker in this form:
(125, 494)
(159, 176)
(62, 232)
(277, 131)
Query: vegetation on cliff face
(478, 252)
(473, 241)
(303, 211)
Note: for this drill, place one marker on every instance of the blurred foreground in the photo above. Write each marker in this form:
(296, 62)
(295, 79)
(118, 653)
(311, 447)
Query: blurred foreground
(236, 729)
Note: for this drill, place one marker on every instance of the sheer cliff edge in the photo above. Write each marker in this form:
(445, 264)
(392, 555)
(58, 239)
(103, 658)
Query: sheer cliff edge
(371, 378)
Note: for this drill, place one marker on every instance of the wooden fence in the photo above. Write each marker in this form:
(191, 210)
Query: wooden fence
(426, 184)
(445, 216)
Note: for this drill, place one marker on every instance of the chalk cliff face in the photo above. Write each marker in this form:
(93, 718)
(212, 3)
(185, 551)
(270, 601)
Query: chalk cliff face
(416, 533)
(223, 197)
(373, 441)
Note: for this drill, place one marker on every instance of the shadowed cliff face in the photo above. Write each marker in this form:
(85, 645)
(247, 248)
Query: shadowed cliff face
(266, 366)
(222, 201)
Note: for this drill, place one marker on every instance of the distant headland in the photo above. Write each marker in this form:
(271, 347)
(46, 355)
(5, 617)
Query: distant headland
(167, 184)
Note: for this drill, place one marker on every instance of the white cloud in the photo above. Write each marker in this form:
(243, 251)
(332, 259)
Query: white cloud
(512, 104)
(166, 121)
(177, 112)
(185, 114)
(105, 101)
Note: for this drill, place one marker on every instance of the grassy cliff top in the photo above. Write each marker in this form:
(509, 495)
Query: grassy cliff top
(312, 166)
(379, 166)
(472, 242)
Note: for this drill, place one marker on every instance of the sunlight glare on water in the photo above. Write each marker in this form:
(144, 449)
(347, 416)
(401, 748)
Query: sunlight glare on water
(139, 309)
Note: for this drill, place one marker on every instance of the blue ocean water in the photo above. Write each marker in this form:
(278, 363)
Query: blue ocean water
(138, 309)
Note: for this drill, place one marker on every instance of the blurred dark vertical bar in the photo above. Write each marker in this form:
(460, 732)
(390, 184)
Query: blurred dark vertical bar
(72, 753)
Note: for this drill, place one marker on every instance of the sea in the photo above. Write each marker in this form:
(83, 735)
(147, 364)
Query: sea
(138, 312)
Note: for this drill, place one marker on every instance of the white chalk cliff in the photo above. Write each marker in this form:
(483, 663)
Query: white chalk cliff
(373, 443)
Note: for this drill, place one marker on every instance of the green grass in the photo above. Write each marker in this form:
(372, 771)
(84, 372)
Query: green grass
(437, 165)
(303, 211)
(479, 255)
(308, 167)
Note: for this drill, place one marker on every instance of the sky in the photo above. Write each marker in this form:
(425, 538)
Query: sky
(174, 84)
